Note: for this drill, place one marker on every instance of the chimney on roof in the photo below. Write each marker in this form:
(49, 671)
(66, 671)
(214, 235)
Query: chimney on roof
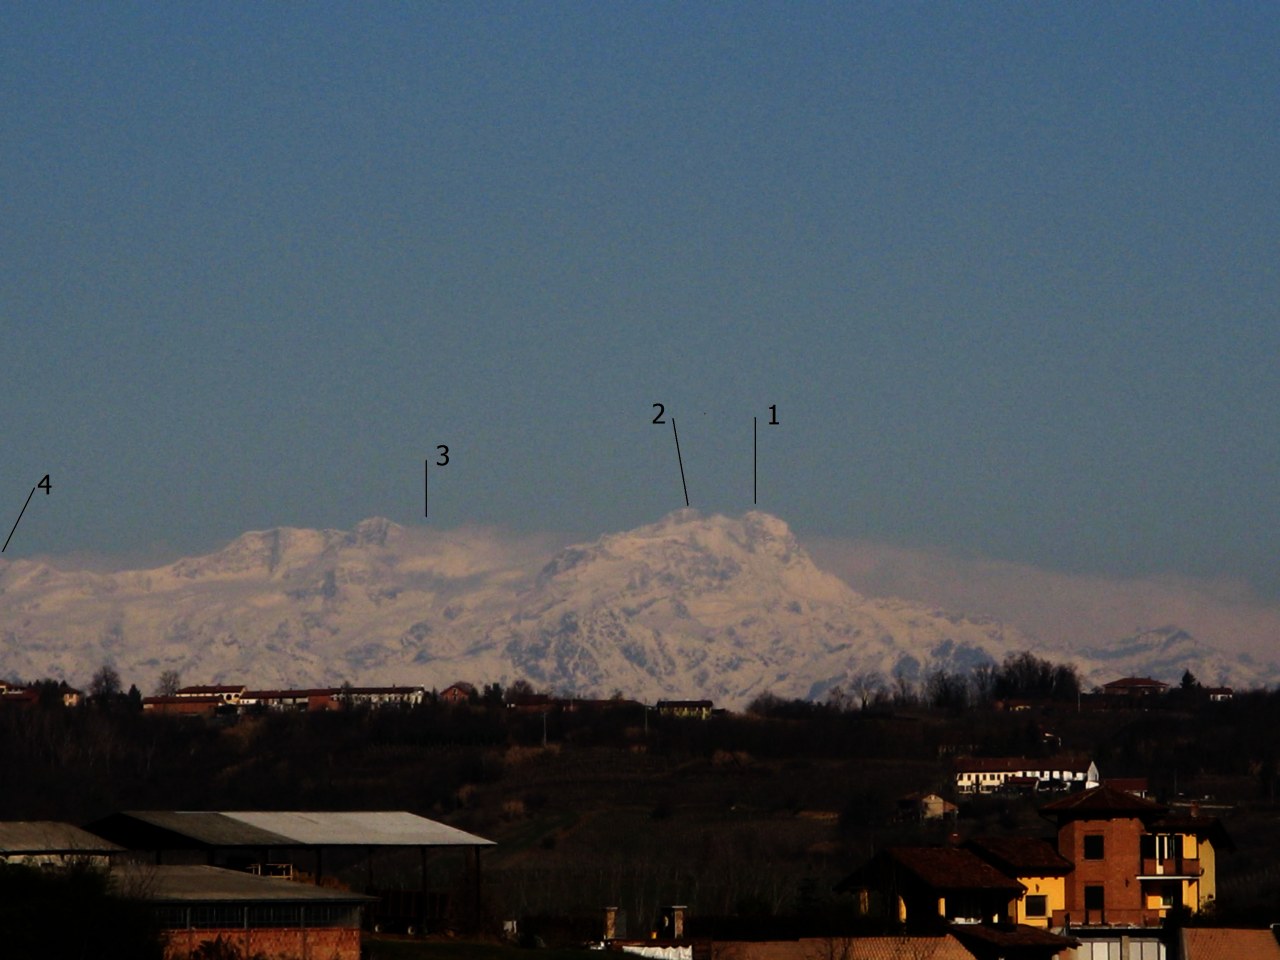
(671, 923)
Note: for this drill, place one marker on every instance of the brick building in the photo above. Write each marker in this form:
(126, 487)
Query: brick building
(1133, 861)
(257, 916)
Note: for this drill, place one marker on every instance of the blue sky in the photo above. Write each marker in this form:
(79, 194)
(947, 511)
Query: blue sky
(1009, 272)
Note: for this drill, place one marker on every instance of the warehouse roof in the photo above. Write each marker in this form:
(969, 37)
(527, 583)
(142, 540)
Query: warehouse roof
(49, 836)
(203, 884)
(253, 828)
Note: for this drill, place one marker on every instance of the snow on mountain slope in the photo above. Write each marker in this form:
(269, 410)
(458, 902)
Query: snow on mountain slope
(720, 608)
(690, 606)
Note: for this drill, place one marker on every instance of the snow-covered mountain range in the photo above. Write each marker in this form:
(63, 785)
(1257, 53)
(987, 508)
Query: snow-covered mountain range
(691, 606)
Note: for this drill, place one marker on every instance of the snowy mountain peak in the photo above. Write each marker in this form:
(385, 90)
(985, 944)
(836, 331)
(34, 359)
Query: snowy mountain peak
(375, 531)
(691, 605)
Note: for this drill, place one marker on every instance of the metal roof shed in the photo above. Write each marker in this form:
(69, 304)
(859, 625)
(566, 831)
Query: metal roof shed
(375, 828)
(225, 836)
(48, 841)
(161, 830)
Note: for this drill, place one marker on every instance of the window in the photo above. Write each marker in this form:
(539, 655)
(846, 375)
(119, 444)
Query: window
(1093, 897)
(217, 916)
(1162, 846)
(1094, 847)
(1037, 905)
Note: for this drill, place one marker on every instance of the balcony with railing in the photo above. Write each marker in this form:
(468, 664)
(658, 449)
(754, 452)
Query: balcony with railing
(1170, 867)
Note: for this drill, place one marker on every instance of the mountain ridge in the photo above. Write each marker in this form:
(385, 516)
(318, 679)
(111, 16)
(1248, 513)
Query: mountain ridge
(690, 606)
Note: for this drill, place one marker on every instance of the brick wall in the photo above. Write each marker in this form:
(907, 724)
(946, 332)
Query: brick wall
(275, 943)
(1116, 872)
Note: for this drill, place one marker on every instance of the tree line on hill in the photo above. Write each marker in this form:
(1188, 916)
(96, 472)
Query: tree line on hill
(715, 789)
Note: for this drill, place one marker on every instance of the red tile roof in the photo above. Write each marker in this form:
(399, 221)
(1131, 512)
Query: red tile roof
(1011, 936)
(952, 868)
(851, 948)
(1101, 801)
(1129, 784)
(1136, 682)
(1208, 943)
(211, 689)
(1021, 856)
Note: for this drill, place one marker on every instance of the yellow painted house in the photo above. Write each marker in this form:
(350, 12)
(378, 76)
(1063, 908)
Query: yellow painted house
(1037, 866)
(1179, 863)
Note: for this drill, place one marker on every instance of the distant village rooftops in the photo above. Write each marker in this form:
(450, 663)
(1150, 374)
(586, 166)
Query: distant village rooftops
(225, 691)
(1135, 686)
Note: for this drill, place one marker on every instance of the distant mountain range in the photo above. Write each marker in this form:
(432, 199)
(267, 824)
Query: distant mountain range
(689, 607)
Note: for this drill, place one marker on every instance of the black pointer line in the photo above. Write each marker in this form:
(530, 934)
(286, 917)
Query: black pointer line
(679, 460)
(15, 523)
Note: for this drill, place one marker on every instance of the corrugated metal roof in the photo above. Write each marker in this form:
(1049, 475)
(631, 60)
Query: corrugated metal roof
(209, 828)
(260, 828)
(177, 884)
(361, 828)
(50, 836)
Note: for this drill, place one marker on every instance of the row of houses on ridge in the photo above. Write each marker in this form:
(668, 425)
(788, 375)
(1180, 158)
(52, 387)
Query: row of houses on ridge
(213, 699)
(982, 775)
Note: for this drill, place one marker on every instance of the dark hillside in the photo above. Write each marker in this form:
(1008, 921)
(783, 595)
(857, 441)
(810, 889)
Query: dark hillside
(753, 815)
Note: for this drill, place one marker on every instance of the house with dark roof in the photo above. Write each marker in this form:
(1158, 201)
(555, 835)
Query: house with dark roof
(924, 886)
(460, 692)
(189, 705)
(953, 890)
(1135, 687)
(1035, 864)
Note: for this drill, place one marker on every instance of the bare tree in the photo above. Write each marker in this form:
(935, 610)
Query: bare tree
(105, 683)
(865, 684)
(904, 690)
(170, 683)
(521, 688)
(983, 682)
(946, 690)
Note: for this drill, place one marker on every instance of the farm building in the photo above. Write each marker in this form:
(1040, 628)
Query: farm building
(316, 845)
(256, 916)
